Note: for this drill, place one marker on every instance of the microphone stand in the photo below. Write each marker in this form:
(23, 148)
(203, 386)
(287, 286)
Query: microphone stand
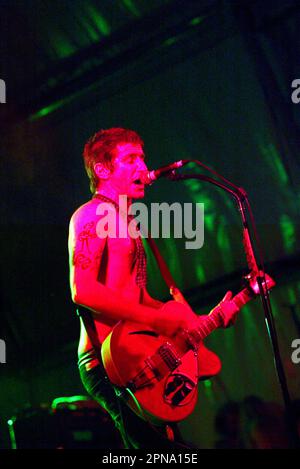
(240, 196)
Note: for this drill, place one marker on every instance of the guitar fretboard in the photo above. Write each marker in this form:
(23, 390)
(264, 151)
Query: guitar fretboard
(214, 319)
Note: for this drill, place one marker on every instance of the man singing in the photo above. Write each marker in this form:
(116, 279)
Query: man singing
(108, 277)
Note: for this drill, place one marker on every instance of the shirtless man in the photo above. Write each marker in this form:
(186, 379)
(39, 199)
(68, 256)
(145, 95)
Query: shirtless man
(104, 274)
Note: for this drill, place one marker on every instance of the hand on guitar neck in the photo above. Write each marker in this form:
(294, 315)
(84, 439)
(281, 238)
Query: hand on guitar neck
(228, 310)
(175, 317)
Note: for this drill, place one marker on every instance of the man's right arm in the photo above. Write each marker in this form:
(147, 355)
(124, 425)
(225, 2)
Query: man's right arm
(85, 252)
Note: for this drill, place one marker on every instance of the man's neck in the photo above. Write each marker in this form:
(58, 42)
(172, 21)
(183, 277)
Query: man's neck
(111, 194)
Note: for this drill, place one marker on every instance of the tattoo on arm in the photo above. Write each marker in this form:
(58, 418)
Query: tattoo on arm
(82, 256)
(81, 260)
(86, 234)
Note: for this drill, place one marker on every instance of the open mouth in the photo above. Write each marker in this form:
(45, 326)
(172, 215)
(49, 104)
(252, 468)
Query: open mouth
(138, 182)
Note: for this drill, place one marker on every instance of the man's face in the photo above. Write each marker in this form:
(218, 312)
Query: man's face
(128, 162)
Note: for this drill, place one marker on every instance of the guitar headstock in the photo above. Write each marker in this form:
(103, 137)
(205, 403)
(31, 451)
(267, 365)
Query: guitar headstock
(266, 281)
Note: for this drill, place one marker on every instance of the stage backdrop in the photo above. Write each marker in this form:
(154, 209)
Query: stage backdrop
(225, 102)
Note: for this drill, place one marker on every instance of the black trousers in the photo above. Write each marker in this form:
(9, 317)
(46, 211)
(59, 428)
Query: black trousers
(135, 432)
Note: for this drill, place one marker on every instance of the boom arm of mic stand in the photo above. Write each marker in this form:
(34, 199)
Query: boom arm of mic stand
(240, 195)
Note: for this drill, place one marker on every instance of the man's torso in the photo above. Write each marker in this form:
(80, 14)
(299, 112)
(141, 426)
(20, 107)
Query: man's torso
(117, 272)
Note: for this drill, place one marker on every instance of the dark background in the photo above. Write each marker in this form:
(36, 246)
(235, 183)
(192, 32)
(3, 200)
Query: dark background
(197, 79)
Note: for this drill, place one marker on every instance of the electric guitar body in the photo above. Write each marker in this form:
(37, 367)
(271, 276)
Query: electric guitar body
(164, 382)
(162, 374)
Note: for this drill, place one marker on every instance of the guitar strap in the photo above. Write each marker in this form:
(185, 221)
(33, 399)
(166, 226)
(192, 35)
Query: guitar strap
(90, 328)
(165, 272)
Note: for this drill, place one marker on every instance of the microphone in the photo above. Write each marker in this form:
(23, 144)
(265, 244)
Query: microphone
(148, 177)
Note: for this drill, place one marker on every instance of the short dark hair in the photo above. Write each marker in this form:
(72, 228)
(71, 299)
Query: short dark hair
(99, 149)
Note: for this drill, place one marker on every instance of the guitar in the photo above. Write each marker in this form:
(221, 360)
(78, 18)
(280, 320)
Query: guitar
(162, 373)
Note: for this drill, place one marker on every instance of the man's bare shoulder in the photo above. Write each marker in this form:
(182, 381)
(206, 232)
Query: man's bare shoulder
(85, 246)
(92, 217)
(86, 211)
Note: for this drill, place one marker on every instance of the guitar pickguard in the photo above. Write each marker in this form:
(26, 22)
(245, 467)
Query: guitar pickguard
(178, 389)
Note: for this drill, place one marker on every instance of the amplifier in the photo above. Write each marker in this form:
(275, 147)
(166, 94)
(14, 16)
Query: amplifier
(68, 423)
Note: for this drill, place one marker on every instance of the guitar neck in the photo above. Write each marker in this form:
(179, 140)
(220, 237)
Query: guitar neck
(190, 339)
(214, 319)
